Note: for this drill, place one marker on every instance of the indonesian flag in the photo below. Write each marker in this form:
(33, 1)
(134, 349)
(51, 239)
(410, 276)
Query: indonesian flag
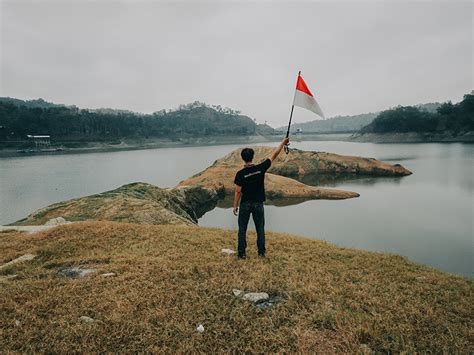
(305, 99)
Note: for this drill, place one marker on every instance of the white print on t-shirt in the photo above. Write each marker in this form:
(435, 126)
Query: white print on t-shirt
(254, 173)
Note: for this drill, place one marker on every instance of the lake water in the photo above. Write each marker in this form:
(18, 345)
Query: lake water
(427, 217)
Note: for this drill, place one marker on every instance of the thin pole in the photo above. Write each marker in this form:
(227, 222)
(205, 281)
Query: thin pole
(289, 123)
(287, 149)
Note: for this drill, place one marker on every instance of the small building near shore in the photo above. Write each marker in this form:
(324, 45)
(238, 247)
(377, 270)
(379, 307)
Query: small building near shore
(41, 142)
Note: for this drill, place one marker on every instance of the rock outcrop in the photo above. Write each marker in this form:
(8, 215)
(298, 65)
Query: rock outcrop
(280, 182)
(136, 203)
(300, 162)
(221, 180)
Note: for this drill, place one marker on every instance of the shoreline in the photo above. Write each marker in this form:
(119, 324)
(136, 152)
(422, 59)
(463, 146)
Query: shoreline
(96, 147)
(130, 145)
(411, 137)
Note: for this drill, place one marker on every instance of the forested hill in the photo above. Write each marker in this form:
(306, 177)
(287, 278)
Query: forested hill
(19, 118)
(455, 118)
(337, 124)
(350, 123)
(29, 103)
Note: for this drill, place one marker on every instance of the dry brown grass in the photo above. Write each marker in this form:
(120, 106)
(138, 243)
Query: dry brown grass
(172, 278)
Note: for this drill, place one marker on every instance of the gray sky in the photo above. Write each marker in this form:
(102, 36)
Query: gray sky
(356, 56)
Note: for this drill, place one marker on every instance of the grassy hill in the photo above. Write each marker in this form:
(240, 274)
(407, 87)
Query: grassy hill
(169, 279)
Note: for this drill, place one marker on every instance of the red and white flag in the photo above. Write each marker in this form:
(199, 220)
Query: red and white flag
(305, 99)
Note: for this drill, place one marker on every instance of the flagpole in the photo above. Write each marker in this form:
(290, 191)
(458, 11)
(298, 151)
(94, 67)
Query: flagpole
(287, 149)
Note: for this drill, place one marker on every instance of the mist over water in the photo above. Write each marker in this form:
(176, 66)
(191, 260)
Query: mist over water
(426, 217)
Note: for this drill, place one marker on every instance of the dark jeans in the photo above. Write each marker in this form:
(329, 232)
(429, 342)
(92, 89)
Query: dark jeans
(256, 210)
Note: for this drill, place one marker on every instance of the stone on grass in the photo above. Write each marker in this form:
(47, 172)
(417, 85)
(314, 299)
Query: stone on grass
(17, 322)
(228, 251)
(200, 328)
(256, 297)
(261, 300)
(75, 272)
(86, 319)
(25, 257)
(56, 221)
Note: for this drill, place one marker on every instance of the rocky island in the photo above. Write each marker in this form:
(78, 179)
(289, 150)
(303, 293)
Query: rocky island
(148, 204)
(282, 178)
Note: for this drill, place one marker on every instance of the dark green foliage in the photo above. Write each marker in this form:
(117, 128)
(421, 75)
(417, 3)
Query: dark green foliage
(403, 119)
(345, 124)
(455, 118)
(18, 119)
(29, 103)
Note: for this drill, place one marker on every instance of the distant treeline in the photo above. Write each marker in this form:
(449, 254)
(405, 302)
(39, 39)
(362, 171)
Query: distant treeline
(455, 118)
(339, 124)
(346, 124)
(19, 118)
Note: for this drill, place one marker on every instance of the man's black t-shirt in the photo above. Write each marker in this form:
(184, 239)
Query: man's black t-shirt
(252, 181)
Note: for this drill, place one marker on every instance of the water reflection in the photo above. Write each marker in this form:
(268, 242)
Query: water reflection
(332, 181)
(228, 201)
(337, 180)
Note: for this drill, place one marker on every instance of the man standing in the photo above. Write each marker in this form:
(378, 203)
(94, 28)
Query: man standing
(250, 190)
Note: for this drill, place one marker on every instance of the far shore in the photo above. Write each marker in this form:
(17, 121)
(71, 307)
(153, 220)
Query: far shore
(413, 137)
(58, 148)
(126, 144)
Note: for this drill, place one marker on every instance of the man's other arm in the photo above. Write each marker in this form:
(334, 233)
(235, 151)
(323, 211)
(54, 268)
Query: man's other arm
(238, 191)
(279, 148)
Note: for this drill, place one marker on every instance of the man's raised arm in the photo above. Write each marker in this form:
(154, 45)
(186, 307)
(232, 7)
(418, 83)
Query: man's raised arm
(279, 148)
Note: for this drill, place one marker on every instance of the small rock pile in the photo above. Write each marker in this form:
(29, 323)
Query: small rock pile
(261, 300)
(75, 272)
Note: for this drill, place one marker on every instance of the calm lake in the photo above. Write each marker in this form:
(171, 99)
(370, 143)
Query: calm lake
(427, 217)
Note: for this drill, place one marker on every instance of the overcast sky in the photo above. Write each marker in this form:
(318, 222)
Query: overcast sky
(356, 56)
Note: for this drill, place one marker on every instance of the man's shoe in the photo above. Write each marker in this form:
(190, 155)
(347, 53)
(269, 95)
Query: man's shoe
(242, 256)
(261, 256)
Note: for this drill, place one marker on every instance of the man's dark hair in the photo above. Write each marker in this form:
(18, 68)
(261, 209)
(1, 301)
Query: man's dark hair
(247, 154)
